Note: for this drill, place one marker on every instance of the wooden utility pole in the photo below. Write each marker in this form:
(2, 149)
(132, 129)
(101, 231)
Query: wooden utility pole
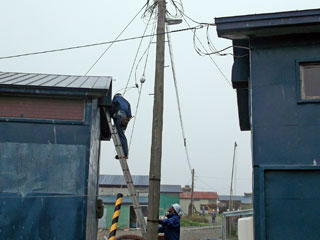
(157, 125)
(192, 197)
(231, 187)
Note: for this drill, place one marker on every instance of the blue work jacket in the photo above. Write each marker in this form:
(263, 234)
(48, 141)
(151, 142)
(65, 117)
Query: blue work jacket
(120, 103)
(170, 227)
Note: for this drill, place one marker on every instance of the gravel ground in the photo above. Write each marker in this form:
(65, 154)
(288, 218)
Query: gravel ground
(187, 233)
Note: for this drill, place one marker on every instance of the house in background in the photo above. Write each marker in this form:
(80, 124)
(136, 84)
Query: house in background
(206, 200)
(111, 185)
(238, 202)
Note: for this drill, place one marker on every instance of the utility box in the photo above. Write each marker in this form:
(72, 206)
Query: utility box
(276, 72)
(50, 132)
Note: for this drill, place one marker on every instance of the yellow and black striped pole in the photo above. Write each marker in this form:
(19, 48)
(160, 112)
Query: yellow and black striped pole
(115, 218)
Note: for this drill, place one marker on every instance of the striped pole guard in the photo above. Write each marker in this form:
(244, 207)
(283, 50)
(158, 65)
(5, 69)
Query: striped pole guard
(115, 218)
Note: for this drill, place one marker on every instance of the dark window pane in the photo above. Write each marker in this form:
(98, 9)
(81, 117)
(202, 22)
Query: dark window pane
(310, 81)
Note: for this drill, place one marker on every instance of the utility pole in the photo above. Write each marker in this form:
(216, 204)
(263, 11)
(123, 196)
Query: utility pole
(192, 198)
(231, 187)
(157, 125)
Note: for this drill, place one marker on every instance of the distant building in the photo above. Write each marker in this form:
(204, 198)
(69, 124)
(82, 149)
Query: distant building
(238, 202)
(207, 200)
(111, 185)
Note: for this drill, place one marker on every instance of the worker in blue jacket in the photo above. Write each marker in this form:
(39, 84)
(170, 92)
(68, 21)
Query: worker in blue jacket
(121, 114)
(171, 226)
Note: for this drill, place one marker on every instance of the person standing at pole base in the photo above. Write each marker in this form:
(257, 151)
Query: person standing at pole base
(121, 114)
(171, 226)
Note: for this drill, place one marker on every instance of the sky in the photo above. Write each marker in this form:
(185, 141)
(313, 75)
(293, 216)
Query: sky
(208, 102)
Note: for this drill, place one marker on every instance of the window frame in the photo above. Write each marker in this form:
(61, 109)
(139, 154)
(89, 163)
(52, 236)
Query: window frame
(299, 82)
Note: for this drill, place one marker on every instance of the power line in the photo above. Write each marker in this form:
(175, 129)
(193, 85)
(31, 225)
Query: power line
(104, 52)
(135, 58)
(219, 69)
(178, 99)
(97, 44)
(142, 81)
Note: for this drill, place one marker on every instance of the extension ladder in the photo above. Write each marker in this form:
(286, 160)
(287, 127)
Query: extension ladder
(127, 175)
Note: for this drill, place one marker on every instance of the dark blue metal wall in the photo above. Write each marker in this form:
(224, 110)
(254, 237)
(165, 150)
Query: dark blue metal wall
(286, 147)
(49, 177)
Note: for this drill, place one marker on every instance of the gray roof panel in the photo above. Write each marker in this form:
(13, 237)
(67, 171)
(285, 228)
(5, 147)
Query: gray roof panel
(91, 84)
(138, 180)
(119, 180)
(170, 188)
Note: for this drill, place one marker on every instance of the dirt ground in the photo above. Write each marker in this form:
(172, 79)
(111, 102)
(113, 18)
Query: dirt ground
(187, 233)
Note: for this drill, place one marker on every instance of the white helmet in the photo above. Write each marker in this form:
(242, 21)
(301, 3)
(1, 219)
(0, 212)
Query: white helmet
(176, 207)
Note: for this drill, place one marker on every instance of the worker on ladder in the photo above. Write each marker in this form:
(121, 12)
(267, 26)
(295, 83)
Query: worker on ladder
(121, 114)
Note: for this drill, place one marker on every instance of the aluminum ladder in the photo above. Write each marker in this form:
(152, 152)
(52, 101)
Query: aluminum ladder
(127, 175)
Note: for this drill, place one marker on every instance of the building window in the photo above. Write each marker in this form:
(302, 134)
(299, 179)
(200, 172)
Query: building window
(310, 81)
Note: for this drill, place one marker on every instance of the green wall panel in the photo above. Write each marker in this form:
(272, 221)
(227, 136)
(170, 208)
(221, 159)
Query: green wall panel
(166, 201)
(123, 218)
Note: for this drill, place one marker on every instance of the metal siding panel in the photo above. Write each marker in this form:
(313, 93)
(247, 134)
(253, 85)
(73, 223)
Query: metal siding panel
(45, 217)
(50, 133)
(42, 168)
(289, 214)
(93, 172)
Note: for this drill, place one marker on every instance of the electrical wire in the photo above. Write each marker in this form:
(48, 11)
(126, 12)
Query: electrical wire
(219, 69)
(95, 44)
(140, 89)
(135, 58)
(178, 99)
(182, 12)
(104, 52)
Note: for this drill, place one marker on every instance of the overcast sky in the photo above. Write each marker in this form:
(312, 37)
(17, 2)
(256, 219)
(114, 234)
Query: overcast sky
(208, 103)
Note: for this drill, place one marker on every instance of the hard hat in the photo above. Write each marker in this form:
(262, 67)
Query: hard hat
(177, 208)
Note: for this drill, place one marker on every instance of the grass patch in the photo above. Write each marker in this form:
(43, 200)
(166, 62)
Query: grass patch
(194, 221)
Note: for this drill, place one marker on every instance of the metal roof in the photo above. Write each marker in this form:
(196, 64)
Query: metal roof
(269, 24)
(243, 199)
(125, 200)
(199, 195)
(170, 188)
(138, 180)
(91, 85)
(247, 212)
(118, 180)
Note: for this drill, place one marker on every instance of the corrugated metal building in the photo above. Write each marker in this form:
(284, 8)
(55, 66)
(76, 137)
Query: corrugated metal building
(110, 185)
(276, 73)
(51, 129)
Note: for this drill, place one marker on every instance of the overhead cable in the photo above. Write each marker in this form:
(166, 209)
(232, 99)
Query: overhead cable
(135, 58)
(96, 44)
(104, 52)
(219, 69)
(141, 86)
(178, 100)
